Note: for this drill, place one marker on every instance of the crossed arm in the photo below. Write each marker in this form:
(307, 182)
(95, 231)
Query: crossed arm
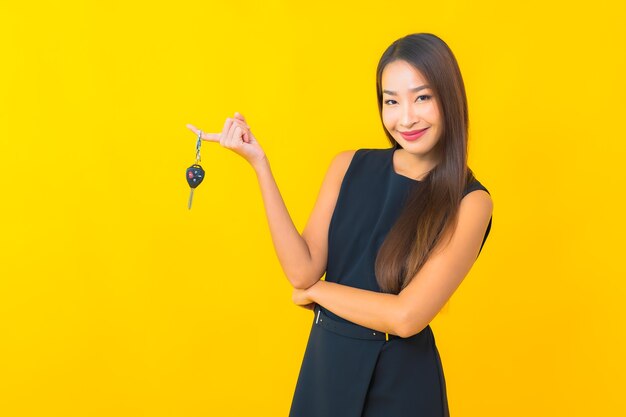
(410, 311)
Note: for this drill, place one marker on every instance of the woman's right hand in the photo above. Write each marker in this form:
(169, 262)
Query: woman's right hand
(235, 135)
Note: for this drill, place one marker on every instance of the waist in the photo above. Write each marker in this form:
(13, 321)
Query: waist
(349, 329)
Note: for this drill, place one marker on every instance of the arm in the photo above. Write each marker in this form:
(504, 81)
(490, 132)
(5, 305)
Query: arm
(302, 257)
(409, 312)
(291, 249)
(374, 310)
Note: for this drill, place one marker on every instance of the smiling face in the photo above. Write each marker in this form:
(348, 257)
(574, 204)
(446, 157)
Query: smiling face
(409, 105)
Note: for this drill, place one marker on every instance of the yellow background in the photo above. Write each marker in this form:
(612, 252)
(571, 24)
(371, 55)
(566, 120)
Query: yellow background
(117, 300)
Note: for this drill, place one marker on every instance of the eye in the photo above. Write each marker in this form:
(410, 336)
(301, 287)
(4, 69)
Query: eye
(424, 97)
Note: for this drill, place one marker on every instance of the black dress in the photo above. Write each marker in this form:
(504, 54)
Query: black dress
(349, 377)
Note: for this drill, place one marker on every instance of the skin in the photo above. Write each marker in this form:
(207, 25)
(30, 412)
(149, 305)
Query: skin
(405, 110)
(409, 312)
(236, 136)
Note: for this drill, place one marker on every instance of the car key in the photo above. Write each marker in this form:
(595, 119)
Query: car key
(195, 173)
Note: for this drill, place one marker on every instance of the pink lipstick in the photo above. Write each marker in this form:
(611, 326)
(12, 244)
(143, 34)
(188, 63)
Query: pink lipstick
(413, 134)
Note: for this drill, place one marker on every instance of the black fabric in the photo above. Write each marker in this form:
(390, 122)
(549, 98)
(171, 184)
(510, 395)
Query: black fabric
(348, 377)
(348, 329)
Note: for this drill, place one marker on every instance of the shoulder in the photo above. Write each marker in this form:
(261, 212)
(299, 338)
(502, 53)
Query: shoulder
(476, 201)
(473, 184)
(350, 159)
(344, 157)
(476, 196)
(365, 154)
(340, 163)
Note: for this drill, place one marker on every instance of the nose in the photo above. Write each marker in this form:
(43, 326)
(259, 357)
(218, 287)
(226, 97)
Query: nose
(408, 117)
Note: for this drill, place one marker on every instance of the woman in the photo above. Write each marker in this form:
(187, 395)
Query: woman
(395, 231)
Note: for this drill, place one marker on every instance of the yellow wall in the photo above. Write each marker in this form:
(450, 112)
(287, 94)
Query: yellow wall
(117, 300)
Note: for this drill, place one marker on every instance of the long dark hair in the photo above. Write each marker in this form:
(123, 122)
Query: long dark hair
(432, 206)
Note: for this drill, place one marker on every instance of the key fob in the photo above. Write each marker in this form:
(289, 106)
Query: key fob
(195, 175)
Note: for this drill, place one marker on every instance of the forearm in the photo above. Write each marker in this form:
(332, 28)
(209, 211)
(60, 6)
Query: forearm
(291, 248)
(374, 310)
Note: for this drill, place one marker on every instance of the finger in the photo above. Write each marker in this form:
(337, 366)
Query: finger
(245, 132)
(243, 125)
(210, 137)
(240, 117)
(227, 124)
(237, 133)
(243, 122)
(230, 137)
(194, 129)
(237, 136)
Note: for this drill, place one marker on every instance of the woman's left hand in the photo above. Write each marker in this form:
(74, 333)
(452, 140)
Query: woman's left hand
(302, 298)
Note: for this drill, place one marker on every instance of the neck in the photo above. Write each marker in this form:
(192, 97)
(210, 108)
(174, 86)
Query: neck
(415, 166)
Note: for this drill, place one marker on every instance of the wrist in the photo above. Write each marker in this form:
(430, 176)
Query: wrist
(261, 165)
(313, 291)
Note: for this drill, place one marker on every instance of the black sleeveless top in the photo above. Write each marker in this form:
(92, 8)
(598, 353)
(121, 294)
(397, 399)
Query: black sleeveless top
(342, 376)
(371, 198)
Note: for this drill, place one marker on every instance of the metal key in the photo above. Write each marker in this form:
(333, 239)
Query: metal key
(195, 173)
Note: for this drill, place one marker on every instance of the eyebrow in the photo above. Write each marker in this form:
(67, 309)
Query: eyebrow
(413, 90)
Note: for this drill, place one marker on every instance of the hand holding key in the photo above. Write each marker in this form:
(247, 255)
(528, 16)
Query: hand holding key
(235, 135)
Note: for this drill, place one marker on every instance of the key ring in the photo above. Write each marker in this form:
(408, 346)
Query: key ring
(198, 144)
(195, 173)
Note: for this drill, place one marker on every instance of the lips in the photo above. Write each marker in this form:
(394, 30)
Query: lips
(413, 134)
